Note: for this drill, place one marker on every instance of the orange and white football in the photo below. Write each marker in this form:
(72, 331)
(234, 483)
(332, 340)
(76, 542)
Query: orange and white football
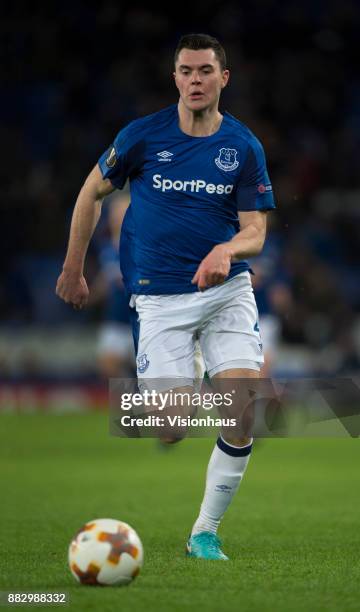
(105, 552)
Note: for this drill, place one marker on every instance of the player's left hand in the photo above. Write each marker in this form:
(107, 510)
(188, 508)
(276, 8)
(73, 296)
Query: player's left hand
(214, 268)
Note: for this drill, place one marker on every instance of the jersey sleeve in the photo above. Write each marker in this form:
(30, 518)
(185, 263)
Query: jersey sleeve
(124, 157)
(253, 189)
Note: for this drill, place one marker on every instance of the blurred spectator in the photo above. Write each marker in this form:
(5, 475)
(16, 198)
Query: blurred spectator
(115, 348)
(273, 296)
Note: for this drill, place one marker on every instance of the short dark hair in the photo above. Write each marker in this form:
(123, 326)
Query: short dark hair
(201, 41)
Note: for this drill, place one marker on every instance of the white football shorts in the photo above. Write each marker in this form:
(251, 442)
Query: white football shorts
(223, 319)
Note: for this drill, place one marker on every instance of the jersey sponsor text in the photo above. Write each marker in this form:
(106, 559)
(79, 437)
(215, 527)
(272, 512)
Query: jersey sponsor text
(193, 185)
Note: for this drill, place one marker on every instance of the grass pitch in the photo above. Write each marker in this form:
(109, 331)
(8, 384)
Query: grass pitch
(292, 532)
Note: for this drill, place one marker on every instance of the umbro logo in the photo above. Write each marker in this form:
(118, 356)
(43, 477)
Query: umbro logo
(164, 156)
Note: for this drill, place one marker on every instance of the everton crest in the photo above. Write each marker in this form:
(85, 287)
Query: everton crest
(142, 363)
(227, 159)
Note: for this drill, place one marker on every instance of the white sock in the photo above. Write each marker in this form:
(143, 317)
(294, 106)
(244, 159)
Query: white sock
(225, 471)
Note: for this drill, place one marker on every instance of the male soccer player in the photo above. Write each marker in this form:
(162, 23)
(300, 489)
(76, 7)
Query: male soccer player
(199, 195)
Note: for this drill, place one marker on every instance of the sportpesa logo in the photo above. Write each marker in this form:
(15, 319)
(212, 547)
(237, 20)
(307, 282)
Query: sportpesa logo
(194, 185)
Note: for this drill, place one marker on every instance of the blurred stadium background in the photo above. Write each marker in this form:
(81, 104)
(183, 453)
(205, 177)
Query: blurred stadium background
(73, 74)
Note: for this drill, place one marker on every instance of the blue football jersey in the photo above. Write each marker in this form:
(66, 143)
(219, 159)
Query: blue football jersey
(185, 192)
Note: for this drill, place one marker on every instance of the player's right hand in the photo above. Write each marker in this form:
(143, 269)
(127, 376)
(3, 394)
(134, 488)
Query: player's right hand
(73, 289)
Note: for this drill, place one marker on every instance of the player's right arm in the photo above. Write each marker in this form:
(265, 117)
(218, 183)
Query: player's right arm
(119, 162)
(71, 285)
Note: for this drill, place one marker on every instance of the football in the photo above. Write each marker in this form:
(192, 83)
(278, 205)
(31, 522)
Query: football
(105, 552)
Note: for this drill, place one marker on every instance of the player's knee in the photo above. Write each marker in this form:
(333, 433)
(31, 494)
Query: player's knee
(237, 441)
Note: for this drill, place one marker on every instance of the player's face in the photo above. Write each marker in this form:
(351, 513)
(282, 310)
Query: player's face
(199, 78)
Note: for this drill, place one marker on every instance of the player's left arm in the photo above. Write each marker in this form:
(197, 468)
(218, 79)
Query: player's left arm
(253, 197)
(248, 242)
